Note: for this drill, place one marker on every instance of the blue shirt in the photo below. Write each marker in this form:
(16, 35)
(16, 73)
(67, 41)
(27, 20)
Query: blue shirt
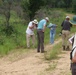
(41, 24)
(52, 27)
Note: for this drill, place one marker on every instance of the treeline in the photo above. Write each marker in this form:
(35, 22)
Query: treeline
(31, 6)
(28, 9)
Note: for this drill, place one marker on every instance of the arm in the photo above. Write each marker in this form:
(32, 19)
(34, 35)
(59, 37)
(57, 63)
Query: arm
(71, 39)
(44, 28)
(62, 23)
(31, 25)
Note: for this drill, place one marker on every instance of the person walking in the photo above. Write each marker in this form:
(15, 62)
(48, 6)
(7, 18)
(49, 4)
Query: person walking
(40, 34)
(52, 28)
(66, 27)
(30, 32)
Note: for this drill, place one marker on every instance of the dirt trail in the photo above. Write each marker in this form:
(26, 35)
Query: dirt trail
(33, 63)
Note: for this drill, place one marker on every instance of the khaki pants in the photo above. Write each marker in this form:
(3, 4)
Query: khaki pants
(28, 38)
(65, 37)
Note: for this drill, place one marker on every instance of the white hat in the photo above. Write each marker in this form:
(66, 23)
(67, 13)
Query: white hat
(35, 21)
(67, 17)
(47, 18)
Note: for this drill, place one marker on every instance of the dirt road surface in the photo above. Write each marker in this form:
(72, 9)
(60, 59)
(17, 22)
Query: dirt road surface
(33, 63)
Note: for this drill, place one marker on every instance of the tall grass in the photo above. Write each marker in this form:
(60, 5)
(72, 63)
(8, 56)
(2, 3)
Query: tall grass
(53, 53)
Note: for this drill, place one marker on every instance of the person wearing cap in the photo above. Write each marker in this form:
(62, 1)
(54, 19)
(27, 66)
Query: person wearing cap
(66, 27)
(30, 32)
(52, 28)
(40, 34)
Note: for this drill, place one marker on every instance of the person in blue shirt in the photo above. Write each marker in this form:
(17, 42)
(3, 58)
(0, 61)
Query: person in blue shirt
(40, 34)
(52, 28)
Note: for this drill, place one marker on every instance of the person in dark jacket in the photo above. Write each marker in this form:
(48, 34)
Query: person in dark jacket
(66, 27)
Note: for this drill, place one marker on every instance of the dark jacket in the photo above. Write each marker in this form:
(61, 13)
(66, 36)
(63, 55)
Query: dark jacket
(66, 25)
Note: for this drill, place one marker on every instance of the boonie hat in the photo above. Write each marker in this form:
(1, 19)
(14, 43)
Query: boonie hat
(73, 21)
(35, 21)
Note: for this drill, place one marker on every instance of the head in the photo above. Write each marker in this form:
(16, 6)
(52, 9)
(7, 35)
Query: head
(67, 18)
(47, 19)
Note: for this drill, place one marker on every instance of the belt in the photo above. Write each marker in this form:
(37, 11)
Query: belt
(73, 62)
(40, 29)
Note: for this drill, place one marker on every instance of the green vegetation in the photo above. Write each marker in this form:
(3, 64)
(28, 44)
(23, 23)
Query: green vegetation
(17, 37)
(53, 53)
(13, 23)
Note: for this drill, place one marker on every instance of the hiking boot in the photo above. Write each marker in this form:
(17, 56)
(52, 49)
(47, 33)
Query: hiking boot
(67, 48)
(63, 47)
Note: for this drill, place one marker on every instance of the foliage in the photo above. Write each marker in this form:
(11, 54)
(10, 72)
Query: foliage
(52, 54)
(74, 6)
(31, 6)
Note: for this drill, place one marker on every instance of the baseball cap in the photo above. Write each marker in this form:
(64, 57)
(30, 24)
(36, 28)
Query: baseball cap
(67, 17)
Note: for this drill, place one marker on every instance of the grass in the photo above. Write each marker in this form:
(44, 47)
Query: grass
(53, 53)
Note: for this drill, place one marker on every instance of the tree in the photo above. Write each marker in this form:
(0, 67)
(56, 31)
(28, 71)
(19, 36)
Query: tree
(74, 5)
(5, 8)
(31, 6)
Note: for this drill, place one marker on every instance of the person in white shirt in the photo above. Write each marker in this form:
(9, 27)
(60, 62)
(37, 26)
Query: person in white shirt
(30, 32)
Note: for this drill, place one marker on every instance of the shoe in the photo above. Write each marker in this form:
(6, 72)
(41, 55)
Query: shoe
(42, 51)
(38, 51)
(63, 47)
(67, 48)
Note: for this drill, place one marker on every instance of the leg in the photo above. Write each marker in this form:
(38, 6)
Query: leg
(28, 40)
(33, 40)
(38, 40)
(42, 41)
(73, 68)
(67, 42)
(63, 39)
(51, 37)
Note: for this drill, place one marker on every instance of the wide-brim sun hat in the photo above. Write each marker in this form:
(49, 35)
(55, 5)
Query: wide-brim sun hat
(35, 21)
(73, 21)
(47, 18)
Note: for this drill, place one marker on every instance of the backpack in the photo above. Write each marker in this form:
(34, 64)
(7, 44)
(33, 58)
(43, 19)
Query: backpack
(71, 53)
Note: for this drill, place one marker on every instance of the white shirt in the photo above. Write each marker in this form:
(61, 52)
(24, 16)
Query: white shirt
(28, 30)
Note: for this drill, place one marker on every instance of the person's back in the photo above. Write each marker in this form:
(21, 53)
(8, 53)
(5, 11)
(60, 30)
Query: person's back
(40, 34)
(41, 24)
(66, 25)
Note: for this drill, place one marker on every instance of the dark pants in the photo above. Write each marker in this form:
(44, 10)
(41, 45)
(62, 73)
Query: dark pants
(73, 68)
(40, 36)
